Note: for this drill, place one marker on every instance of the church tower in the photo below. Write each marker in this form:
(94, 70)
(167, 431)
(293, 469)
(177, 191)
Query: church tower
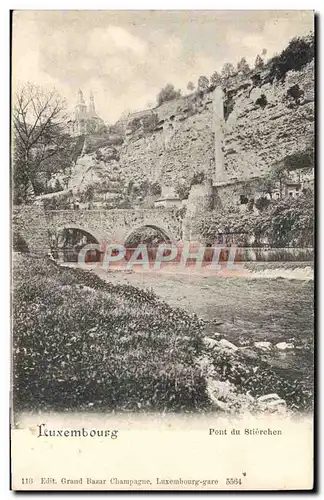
(92, 109)
(85, 118)
(80, 108)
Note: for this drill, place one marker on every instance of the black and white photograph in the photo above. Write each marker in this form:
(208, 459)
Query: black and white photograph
(162, 248)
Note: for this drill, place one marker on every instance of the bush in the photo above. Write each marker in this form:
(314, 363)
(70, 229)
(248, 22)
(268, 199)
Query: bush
(79, 341)
(150, 122)
(300, 51)
(286, 222)
(168, 93)
(257, 378)
(197, 178)
(183, 190)
(219, 222)
(262, 203)
(203, 83)
(261, 101)
(290, 222)
(18, 243)
(156, 189)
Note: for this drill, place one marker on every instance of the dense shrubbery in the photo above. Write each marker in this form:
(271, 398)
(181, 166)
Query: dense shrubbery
(145, 188)
(183, 188)
(286, 222)
(297, 54)
(146, 123)
(79, 341)
(258, 378)
(168, 93)
(18, 243)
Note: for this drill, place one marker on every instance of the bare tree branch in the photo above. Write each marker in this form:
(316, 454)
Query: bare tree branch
(38, 126)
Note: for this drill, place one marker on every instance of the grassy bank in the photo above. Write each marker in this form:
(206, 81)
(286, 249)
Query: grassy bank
(80, 342)
(84, 343)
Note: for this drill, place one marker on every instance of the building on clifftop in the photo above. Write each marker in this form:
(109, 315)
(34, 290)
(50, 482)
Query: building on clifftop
(85, 119)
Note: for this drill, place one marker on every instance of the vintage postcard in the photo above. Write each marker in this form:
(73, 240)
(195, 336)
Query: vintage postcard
(162, 223)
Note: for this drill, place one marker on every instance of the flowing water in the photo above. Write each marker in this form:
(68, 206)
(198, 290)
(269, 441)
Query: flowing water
(266, 302)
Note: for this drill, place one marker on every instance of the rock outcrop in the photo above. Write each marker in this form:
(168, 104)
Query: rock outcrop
(264, 122)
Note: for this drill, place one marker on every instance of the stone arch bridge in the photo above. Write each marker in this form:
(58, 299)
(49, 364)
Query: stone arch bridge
(35, 226)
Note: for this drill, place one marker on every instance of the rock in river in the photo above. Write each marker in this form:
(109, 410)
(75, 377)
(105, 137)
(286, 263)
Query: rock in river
(282, 346)
(264, 346)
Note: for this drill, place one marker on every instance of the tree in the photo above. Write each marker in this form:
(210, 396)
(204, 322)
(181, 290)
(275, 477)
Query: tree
(280, 175)
(277, 176)
(262, 203)
(168, 93)
(57, 186)
(215, 79)
(190, 86)
(298, 53)
(290, 221)
(89, 193)
(259, 62)
(243, 67)
(267, 185)
(156, 189)
(228, 70)
(203, 83)
(197, 178)
(38, 134)
(183, 190)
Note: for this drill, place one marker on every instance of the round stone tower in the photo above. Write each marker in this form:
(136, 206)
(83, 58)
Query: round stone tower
(200, 200)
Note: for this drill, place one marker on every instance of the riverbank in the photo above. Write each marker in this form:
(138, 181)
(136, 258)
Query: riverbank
(204, 342)
(244, 310)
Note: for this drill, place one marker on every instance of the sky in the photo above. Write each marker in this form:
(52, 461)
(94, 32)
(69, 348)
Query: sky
(126, 57)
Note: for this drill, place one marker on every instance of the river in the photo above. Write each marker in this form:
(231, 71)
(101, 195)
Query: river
(242, 309)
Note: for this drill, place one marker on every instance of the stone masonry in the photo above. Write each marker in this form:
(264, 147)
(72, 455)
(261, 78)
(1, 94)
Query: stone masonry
(36, 226)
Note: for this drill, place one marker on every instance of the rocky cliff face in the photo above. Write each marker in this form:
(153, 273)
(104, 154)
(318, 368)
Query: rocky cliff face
(268, 123)
(180, 145)
(264, 123)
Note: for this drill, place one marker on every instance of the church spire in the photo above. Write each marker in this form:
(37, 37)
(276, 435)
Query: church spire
(80, 99)
(92, 104)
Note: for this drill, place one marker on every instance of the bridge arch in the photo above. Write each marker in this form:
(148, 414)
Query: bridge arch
(67, 241)
(164, 232)
(82, 228)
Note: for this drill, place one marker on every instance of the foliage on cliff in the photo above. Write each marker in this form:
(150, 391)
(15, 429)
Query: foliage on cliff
(182, 189)
(80, 342)
(168, 93)
(298, 53)
(286, 222)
